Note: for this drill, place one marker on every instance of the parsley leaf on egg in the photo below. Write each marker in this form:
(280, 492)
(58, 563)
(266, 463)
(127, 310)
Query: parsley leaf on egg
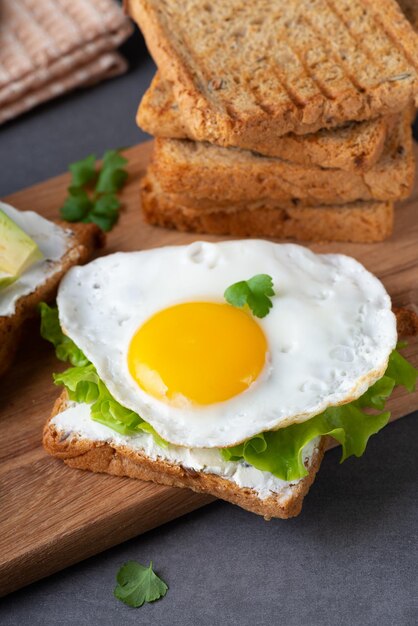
(92, 193)
(254, 293)
(137, 584)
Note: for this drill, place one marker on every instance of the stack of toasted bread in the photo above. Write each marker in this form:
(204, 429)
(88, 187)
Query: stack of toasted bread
(280, 119)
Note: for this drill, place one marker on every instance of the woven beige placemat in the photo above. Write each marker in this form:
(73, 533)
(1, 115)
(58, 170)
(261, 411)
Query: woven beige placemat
(48, 47)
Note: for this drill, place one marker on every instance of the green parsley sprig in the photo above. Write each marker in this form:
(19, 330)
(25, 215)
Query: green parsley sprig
(137, 584)
(92, 192)
(254, 293)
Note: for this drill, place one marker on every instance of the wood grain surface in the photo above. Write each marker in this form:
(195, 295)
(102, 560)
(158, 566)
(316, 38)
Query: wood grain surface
(52, 516)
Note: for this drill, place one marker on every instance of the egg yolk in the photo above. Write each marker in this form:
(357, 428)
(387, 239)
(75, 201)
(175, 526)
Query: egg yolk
(199, 352)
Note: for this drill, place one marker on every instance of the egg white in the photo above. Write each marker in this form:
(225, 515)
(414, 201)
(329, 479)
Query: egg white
(330, 331)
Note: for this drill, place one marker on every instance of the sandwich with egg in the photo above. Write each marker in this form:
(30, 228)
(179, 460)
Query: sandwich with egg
(35, 253)
(221, 367)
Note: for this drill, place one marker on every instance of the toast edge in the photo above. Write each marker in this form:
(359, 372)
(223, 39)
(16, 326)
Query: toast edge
(101, 457)
(363, 222)
(165, 119)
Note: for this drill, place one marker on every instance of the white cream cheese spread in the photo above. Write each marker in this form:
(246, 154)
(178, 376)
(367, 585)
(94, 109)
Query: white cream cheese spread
(75, 421)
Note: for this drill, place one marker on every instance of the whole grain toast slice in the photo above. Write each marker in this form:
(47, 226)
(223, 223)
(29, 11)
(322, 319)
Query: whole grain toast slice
(225, 175)
(84, 240)
(362, 222)
(81, 452)
(108, 457)
(355, 146)
(243, 70)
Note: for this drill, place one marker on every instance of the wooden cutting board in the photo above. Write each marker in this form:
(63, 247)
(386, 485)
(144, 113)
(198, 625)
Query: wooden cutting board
(52, 516)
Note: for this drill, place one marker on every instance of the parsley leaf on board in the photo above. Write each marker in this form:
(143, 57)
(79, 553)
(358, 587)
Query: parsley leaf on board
(92, 193)
(83, 171)
(112, 176)
(77, 205)
(254, 293)
(137, 584)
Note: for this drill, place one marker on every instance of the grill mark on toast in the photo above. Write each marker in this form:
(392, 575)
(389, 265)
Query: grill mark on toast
(327, 77)
(345, 47)
(337, 57)
(396, 28)
(300, 79)
(314, 83)
(291, 87)
(207, 77)
(293, 96)
(351, 15)
(323, 84)
(265, 108)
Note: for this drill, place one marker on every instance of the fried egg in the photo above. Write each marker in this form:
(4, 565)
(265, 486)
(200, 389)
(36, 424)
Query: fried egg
(206, 374)
(53, 241)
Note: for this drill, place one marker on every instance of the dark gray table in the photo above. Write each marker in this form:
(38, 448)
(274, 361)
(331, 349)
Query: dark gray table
(351, 556)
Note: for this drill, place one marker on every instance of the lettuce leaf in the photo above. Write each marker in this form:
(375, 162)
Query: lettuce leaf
(402, 372)
(65, 348)
(376, 395)
(281, 452)
(83, 384)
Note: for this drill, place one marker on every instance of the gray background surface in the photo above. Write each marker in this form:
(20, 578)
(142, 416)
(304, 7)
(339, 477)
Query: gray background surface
(349, 558)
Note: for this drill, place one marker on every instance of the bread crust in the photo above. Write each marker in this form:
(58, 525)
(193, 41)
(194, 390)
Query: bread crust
(86, 238)
(410, 8)
(226, 175)
(97, 456)
(406, 321)
(276, 92)
(361, 222)
(354, 147)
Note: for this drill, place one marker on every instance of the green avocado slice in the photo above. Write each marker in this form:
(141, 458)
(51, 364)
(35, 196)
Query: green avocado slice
(18, 251)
